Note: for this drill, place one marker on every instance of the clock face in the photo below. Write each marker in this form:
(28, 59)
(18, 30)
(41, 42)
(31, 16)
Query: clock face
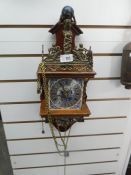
(65, 93)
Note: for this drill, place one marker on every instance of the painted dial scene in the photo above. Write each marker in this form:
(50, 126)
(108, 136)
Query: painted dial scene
(65, 93)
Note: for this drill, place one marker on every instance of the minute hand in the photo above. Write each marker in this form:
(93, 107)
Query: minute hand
(64, 91)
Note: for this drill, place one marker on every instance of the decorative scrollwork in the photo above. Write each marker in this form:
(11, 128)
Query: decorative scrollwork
(81, 54)
(67, 45)
(54, 53)
(76, 67)
(67, 41)
(64, 123)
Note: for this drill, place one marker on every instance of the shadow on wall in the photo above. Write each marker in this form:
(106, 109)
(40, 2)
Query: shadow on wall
(5, 164)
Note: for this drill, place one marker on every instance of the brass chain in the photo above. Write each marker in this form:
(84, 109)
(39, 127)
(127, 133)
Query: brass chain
(45, 87)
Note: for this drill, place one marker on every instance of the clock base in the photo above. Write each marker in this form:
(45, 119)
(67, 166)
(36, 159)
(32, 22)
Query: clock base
(83, 112)
(63, 119)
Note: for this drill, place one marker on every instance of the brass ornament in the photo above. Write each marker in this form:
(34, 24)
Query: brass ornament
(82, 60)
(67, 45)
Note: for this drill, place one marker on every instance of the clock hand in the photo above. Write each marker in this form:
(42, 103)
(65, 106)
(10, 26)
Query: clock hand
(63, 88)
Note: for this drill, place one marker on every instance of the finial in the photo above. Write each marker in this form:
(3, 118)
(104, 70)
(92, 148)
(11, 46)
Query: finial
(67, 13)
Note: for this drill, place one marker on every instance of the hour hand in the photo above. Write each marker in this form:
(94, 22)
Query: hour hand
(63, 88)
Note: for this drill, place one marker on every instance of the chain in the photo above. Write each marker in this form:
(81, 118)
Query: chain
(63, 140)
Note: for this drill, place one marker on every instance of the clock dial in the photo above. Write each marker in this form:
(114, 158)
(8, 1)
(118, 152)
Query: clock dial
(65, 93)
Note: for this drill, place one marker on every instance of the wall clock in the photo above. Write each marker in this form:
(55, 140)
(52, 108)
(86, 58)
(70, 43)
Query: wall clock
(126, 66)
(63, 75)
